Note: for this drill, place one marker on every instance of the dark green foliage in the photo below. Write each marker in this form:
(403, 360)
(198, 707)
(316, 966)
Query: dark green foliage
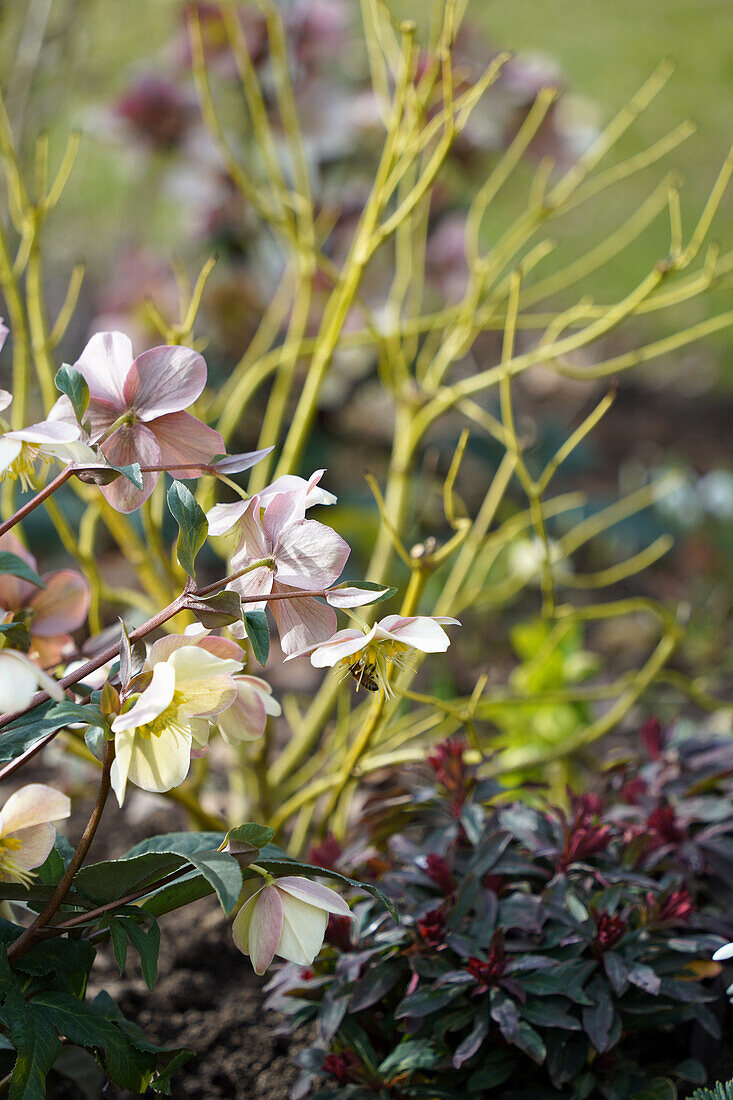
(540, 952)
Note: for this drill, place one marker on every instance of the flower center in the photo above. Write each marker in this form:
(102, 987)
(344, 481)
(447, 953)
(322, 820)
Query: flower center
(10, 869)
(168, 720)
(370, 666)
(23, 467)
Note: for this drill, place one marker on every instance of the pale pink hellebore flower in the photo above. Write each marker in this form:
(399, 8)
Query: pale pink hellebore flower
(47, 440)
(26, 832)
(246, 718)
(224, 517)
(136, 410)
(288, 918)
(190, 687)
(367, 655)
(299, 553)
(51, 613)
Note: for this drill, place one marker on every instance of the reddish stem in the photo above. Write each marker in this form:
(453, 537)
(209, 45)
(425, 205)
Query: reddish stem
(39, 498)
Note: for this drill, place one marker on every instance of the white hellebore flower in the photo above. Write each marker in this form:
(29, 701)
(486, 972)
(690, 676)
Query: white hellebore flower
(154, 737)
(20, 679)
(26, 833)
(47, 440)
(366, 655)
(286, 917)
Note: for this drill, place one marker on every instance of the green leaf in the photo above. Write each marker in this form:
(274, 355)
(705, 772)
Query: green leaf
(17, 635)
(147, 945)
(16, 567)
(71, 382)
(132, 472)
(409, 1056)
(223, 873)
(250, 835)
(192, 524)
(277, 862)
(37, 1044)
(221, 609)
(118, 936)
(258, 632)
(28, 730)
(127, 1065)
(660, 1088)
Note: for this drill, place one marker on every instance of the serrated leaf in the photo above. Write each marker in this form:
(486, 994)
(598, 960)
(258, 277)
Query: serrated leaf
(37, 1043)
(71, 382)
(16, 567)
(192, 525)
(258, 633)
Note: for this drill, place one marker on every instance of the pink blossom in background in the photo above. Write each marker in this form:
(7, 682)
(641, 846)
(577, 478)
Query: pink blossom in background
(136, 409)
(51, 613)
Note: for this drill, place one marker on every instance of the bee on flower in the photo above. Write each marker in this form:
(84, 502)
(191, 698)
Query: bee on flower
(368, 655)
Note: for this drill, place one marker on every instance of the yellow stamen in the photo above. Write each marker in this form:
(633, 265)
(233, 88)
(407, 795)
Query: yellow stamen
(10, 869)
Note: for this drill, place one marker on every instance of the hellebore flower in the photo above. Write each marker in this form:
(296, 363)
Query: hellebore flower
(296, 553)
(50, 613)
(246, 718)
(20, 679)
(224, 517)
(26, 832)
(288, 918)
(47, 440)
(367, 655)
(154, 737)
(136, 410)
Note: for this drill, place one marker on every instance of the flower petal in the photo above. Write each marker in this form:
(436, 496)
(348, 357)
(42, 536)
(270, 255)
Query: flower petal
(204, 681)
(309, 555)
(158, 695)
(34, 804)
(301, 622)
(344, 644)
(418, 631)
(46, 431)
(253, 542)
(62, 605)
(36, 843)
(246, 718)
(303, 929)
(20, 679)
(14, 591)
(121, 764)
(289, 482)
(241, 923)
(283, 509)
(131, 443)
(265, 928)
(257, 583)
(161, 762)
(105, 363)
(9, 451)
(237, 464)
(184, 439)
(353, 596)
(164, 380)
(222, 517)
(313, 893)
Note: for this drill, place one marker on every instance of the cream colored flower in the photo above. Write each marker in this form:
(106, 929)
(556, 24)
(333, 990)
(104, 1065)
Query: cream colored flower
(26, 832)
(285, 917)
(155, 735)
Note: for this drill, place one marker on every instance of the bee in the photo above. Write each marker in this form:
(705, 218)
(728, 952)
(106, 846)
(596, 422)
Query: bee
(363, 673)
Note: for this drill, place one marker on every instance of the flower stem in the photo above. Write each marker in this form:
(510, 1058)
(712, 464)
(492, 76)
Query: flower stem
(39, 498)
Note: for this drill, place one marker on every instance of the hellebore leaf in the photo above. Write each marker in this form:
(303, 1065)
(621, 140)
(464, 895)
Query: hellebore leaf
(221, 609)
(132, 472)
(192, 524)
(258, 632)
(11, 563)
(71, 382)
(37, 1043)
